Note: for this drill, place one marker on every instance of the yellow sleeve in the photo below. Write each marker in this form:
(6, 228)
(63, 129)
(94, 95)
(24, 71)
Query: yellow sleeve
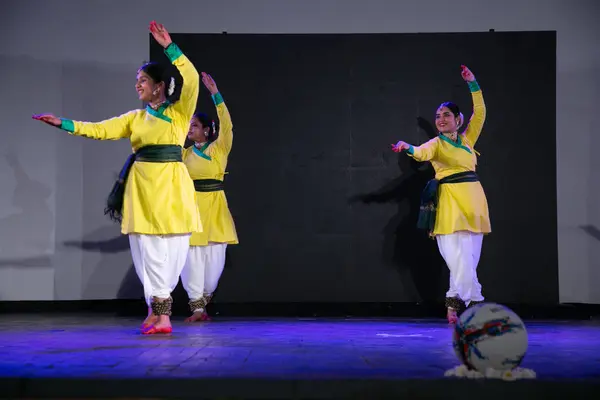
(186, 105)
(225, 139)
(110, 129)
(424, 152)
(479, 112)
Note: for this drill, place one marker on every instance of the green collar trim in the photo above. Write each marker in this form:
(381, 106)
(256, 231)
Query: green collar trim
(201, 151)
(160, 113)
(457, 144)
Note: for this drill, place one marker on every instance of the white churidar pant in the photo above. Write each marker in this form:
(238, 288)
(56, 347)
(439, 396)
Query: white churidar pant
(158, 261)
(203, 269)
(461, 251)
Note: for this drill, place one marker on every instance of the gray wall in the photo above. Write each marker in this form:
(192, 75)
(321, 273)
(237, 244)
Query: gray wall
(78, 59)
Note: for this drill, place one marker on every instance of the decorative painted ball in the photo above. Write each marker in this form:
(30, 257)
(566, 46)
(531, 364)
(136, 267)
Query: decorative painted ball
(490, 335)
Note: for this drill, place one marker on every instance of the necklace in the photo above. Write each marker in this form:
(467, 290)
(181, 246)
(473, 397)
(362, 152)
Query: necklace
(452, 136)
(157, 105)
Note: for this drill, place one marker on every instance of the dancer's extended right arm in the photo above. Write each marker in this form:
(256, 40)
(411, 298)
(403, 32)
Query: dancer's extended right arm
(424, 152)
(110, 129)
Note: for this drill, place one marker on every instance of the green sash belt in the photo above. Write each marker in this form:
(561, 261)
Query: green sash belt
(208, 185)
(429, 198)
(160, 153)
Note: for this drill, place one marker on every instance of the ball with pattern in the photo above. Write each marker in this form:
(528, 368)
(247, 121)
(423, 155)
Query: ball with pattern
(490, 335)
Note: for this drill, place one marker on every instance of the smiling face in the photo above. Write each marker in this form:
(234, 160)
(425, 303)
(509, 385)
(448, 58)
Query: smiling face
(446, 121)
(148, 84)
(144, 86)
(197, 132)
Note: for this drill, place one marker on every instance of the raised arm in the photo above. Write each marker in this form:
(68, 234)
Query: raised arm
(424, 152)
(191, 80)
(186, 105)
(477, 120)
(110, 129)
(225, 138)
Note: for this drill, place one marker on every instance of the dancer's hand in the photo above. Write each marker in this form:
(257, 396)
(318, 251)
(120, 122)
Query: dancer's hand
(398, 147)
(49, 119)
(210, 84)
(466, 74)
(160, 34)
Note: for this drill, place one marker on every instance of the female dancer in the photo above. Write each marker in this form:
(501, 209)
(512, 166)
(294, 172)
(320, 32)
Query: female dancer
(454, 208)
(154, 197)
(206, 161)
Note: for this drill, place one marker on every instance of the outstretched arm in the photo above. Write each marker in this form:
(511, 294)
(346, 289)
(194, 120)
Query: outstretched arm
(186, 105)
(424, 152)
(477, 120)
(110, 129)
(225, 138)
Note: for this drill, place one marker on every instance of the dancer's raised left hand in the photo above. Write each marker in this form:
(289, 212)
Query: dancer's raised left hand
(466, 74)
(210, 84)
(160, 34)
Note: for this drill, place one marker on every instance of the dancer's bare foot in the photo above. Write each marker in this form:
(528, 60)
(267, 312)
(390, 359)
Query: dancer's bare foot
(452, 316)
(199, 316)
(151, 319)
(162, 325)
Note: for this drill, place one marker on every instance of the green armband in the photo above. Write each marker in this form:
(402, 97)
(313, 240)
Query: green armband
(217, 98)
(67, 125)
(173, 52)
(474, 86)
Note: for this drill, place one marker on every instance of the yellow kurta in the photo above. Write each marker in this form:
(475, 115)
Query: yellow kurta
(461, 206)
(210, 162)
(159, 197)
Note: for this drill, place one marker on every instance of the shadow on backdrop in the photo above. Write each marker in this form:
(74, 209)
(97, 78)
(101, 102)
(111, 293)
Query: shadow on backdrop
(29, 231)
(427, 269)
(592, 231)
(130, 287)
